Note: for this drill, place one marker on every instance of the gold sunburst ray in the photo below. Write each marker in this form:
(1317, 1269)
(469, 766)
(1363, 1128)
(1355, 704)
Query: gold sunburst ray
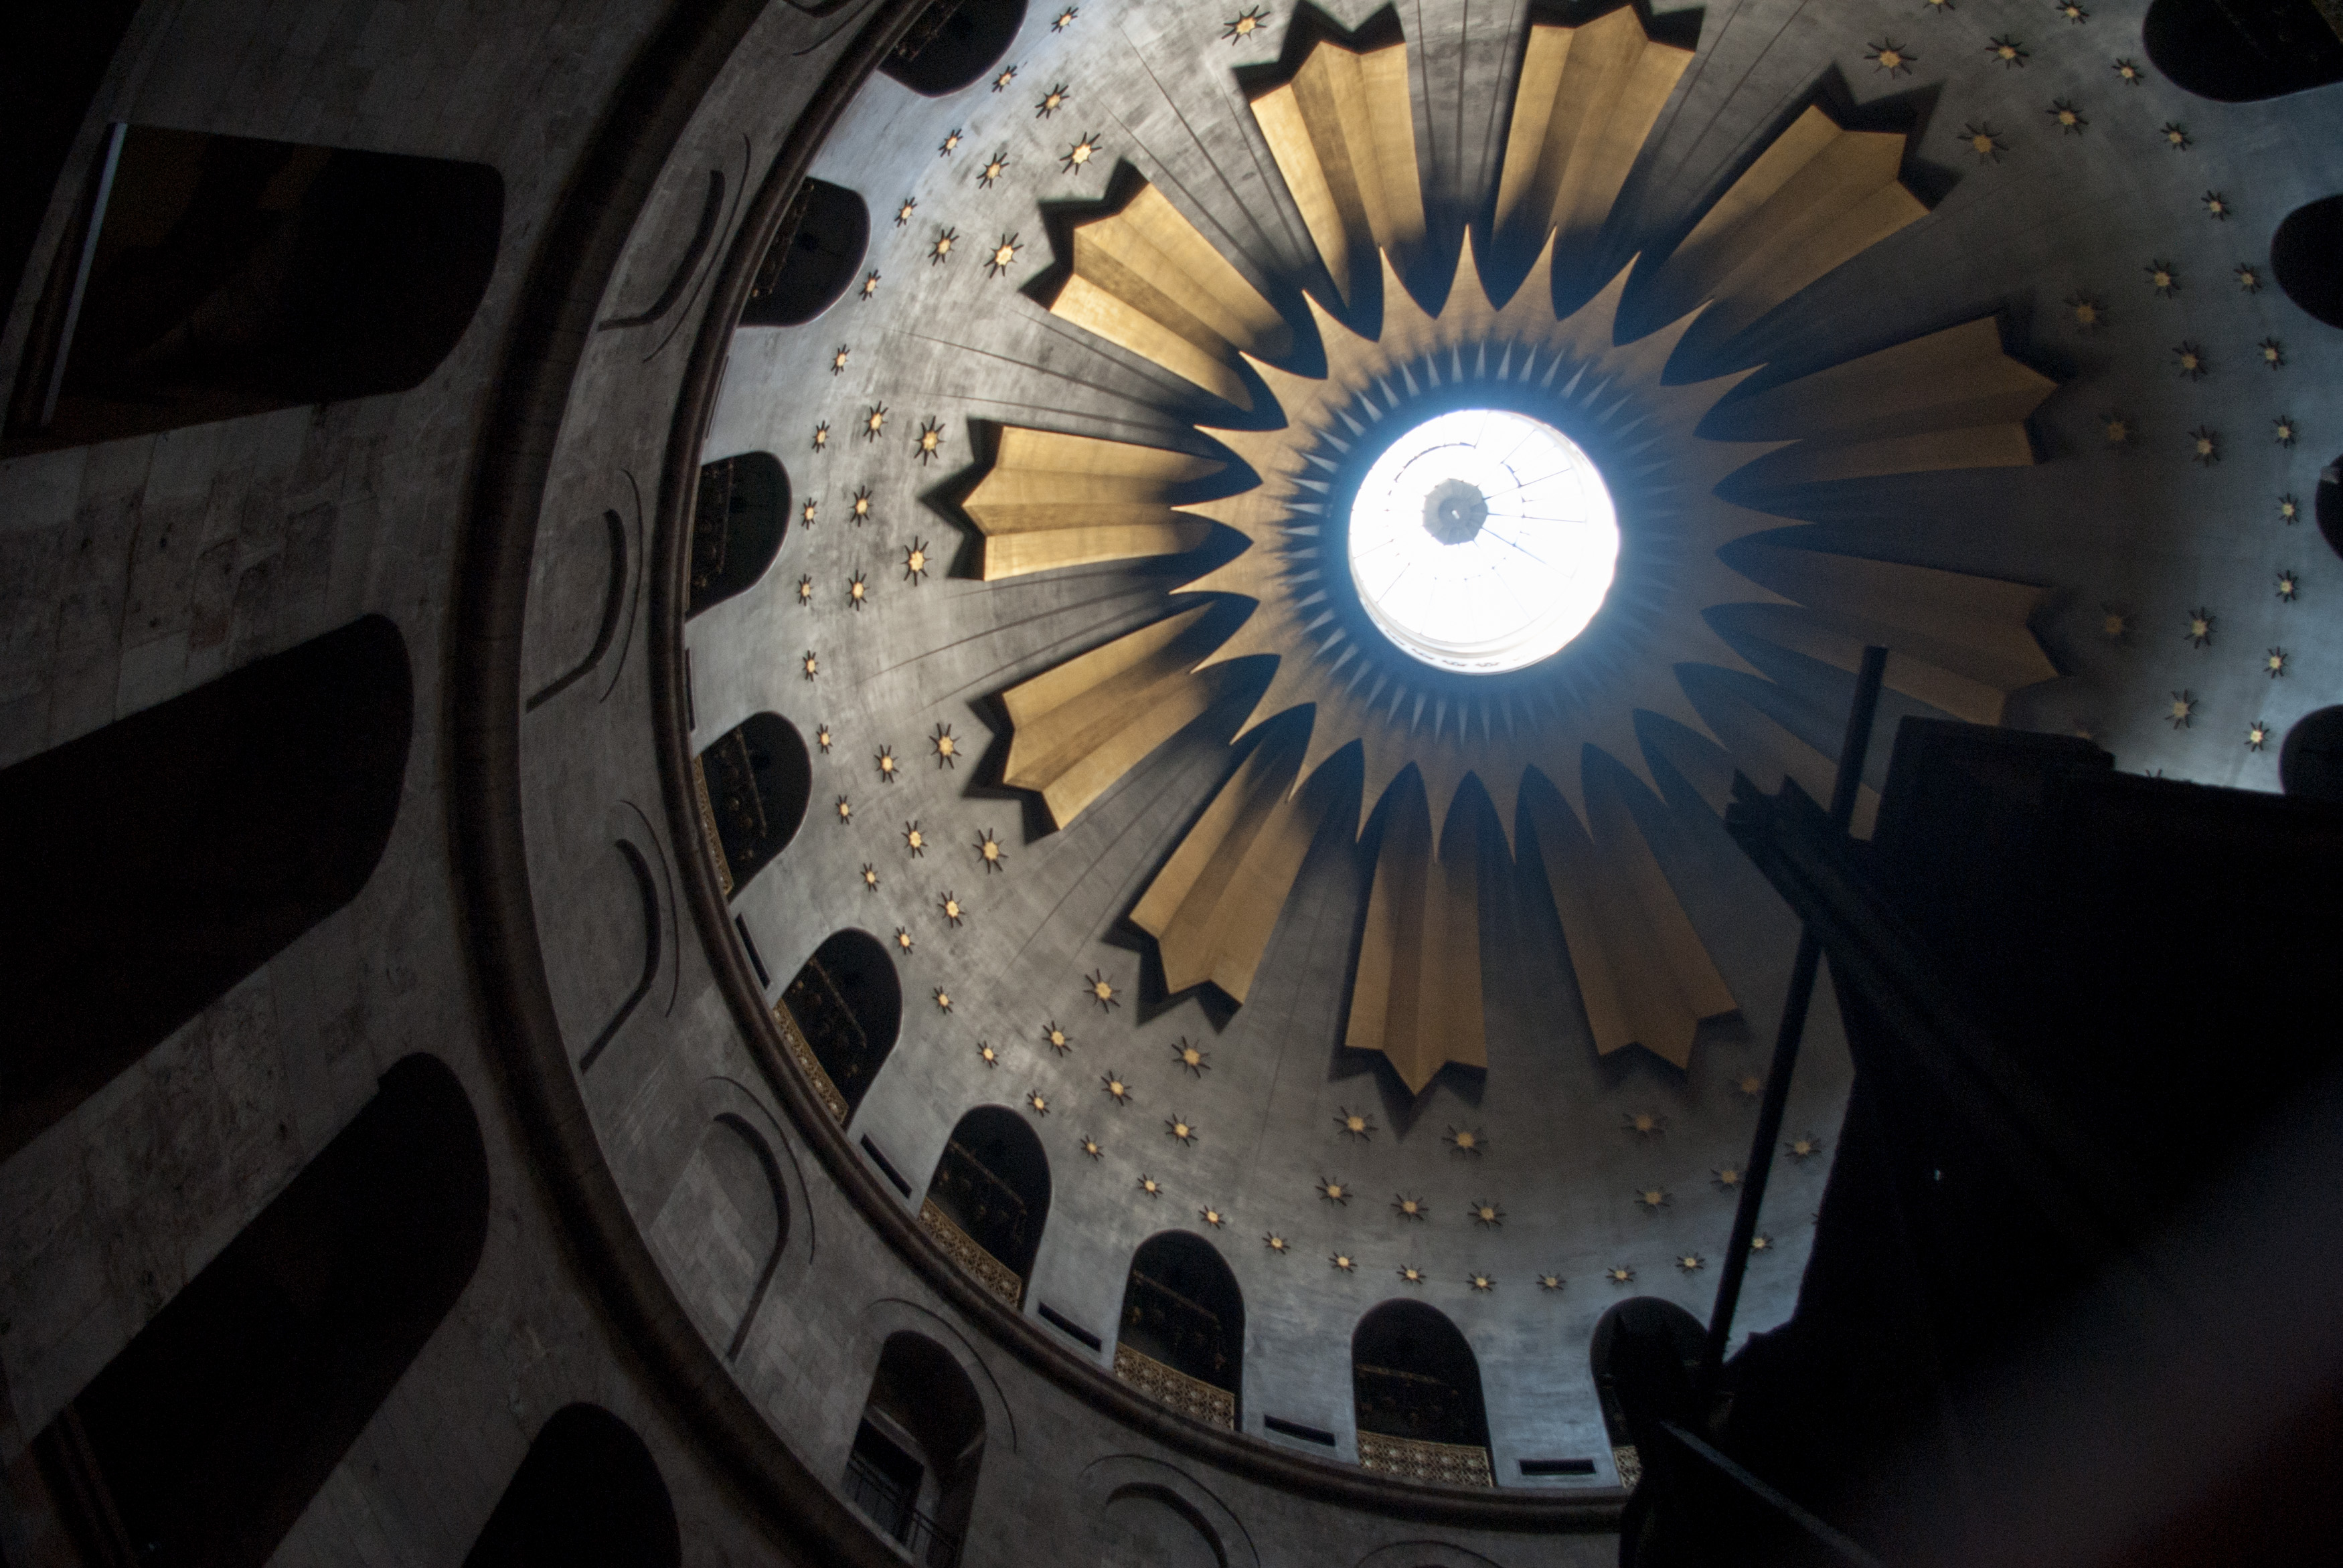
(1567, 745)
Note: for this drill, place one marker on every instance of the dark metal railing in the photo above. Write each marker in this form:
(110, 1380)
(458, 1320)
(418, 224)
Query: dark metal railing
(1845, 789)
(882, 1498)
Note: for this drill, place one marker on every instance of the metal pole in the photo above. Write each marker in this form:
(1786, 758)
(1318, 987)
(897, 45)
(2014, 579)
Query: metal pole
(1844, 788)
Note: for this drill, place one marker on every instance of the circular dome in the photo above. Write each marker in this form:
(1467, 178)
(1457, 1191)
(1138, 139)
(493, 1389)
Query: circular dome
(1483, 540)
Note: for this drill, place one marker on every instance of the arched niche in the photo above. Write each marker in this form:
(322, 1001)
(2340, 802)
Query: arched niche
(155, 862)
(210, 1432)
(989, 1198)
(1677, 1329)
(954, 44)
(737, 526)
(587, 1494)
(814, 256)
(2310, 759)
(1181, 1337)
(753, 784)
(841, 1013)
(722, 1229)
(1415, 1388)
(1157, 1526)
(2236, 51)
(228, 276)
(913, 1467)
(2306, 257)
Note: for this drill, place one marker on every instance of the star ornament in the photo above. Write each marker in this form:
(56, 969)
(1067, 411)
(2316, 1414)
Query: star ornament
(1093, 1147)
(943, 999)
(1490, 1216)
(1646, 1124)
(914, 840)
(2068, 119)
(989, 851)
(2181, 712)
(947, 749)
(1056, 1038)
(1804, 1147)
(1334, 1192)
(1194, 1058)
(1620, 1274)
(2257, 735)
(1408, 1208)
(1550, 1282)
(1150, 1186)
(986, 1054)
(1466, 1140)
(1039, 1102)
(1410, 1275)
(1102, 991)
(1245, 24)
(1651, 1199)
(1276, 1243)
(1984, 142)
(2199, 629)
(1358, 1124)
(2288, 585)
(2274, 663)
(930, 443)
(1482, 1284)
(1181, 1131)
(1343, 1262)
(1690, 1262)
(1891, 57)
(954, 911)
(1116, 1089)
(1212, 1216)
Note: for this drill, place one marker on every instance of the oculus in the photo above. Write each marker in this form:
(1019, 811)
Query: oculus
(1482, 540)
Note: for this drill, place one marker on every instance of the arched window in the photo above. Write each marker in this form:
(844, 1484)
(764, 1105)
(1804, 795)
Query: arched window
(754, 786)
(737, 526)
(953, 43)
(840, 1015)
(823, 235)
(587, 1494)
(1181, 1335)
(228, 276)
(989, 1198)
(2240, 50)
(2310, 762)
(149, 866)
(2306, 257)
(1683, 1334)
(722, 1227)
(204, 1439)
(1416, 1389)
(912, 1468)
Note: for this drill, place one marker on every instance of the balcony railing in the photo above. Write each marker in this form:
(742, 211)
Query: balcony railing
(964, 1249)
(1441, 1464)
(1191, 1397)
(881, 1497)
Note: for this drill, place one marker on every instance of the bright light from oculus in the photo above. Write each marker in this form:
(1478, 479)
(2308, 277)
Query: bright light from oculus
(1483, 540)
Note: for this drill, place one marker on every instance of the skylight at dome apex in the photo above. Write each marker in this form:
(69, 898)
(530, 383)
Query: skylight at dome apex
(1483, 540)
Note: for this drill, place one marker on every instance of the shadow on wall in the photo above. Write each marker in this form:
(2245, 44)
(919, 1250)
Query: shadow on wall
(2239, 51)
(587, 1494)
(913, 1466)
(724, 1226)
(208, 277)
(151, 865)
(953, 43)
(204, 1439)
(846, 1006)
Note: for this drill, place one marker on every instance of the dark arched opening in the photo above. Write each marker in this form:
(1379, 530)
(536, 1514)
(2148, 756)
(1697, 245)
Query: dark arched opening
(2235, 51)
(823, 235)
(231, 276)
(2310, 761)
(204, 1439)
(1415, 1388)
(149, 866)
(737, 526)
(1671, 1326)
(840, 1014)
(1182, 1333)
(913, 1466)
(953, 43)
(989, 1198)
(587, 1494)
(754, 784)
(2306, 257)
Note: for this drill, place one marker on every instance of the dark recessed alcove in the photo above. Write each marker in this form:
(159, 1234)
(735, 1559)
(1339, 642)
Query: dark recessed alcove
(2310, 759)
(758, 782)
(813, 257)
(204, 1439)
(737, 522)
(587, 1494)
(848, 1004)
(2236, 51)
(1181, 1307)
(954, 44)
(992, 1183)
(1412, 1376)
(149, 866)
(913, 1466)
(228, 276)
(2306, 257)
